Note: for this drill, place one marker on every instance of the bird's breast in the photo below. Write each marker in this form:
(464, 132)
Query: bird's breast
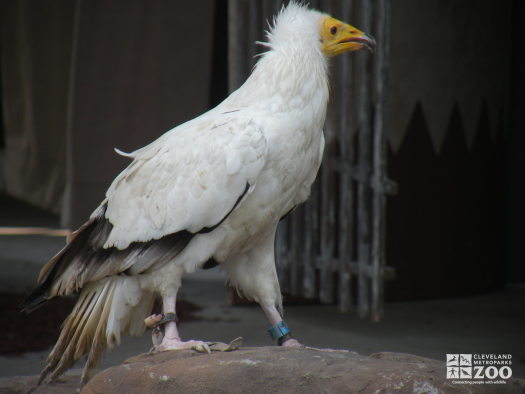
(294, 156)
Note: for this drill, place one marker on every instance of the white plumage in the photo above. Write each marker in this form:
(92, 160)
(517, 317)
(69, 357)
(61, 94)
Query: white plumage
(188, 179)
(211, 189)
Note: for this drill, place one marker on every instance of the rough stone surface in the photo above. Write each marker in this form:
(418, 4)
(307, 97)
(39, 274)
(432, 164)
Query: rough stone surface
(67, 384)
(264, 370)
(281, 370)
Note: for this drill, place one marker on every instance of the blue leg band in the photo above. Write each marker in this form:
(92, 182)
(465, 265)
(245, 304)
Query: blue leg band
(279, 332)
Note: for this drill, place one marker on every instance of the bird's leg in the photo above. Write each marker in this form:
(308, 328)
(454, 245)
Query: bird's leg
(171, 339)
(279, 330)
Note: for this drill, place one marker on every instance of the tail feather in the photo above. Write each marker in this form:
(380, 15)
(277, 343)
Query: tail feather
(100, 340)
(81, 242)
(84, 260)
(97, 321)
(111, 302)
(76, 334)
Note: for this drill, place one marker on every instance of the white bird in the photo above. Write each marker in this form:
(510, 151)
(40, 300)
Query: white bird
(210, 191)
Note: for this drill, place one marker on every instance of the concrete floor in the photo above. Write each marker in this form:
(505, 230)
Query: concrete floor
(489, 323)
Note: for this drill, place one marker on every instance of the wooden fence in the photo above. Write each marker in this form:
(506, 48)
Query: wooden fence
(333, 247)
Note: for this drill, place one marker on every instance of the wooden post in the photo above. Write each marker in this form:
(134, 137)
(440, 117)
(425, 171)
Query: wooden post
(311, 223)
(322, 237)
(346, 192)
(327, 229)
(236, 46)
(379, 70)
(362, 98)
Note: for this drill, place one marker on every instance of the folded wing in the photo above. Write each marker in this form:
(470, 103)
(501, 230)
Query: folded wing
(187, 181)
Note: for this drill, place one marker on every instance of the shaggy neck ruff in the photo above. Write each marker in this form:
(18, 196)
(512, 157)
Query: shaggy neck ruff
(293, 73)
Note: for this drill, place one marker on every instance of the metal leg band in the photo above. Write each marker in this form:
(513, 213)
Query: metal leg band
(166, 319)
(280, 332)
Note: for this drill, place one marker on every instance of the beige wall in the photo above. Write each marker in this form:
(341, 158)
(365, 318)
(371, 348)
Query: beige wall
(82, 77)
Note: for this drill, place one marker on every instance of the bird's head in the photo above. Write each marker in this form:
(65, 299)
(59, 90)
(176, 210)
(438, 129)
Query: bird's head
(338, 37)
(299, 27)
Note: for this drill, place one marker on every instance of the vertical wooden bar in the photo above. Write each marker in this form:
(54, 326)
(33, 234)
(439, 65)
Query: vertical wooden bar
(306, 241)
(242, 33)
(346, 213)
(327, 220)
(260, 21)
(379, 75)
(298, 230)
(236, 46)
(297, 242)
(282, 250)
(309, 287)
(364, 157)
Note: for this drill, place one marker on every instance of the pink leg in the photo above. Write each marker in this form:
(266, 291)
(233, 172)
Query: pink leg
(275, 317)
(171, 339)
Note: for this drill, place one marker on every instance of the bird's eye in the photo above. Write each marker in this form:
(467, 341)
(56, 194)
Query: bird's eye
(333, 30)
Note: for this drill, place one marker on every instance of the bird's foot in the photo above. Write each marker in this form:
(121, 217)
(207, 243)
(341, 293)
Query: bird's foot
(292, 342)
(162, 343)
(177, 344)
(199, 346)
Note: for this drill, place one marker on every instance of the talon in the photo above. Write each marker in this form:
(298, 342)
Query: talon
(224, 347)
(177, 344)
(202, 348)
(157, 336)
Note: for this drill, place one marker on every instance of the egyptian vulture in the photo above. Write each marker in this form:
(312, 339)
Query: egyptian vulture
(210, 191)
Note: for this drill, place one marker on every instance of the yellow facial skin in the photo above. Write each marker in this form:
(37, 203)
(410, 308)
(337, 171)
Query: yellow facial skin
(338, 37)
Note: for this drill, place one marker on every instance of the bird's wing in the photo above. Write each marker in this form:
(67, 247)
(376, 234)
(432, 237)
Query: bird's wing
(189, 179)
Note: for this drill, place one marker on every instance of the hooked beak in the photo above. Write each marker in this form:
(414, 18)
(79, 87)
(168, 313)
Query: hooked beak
(364, 40)
(338, 37)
